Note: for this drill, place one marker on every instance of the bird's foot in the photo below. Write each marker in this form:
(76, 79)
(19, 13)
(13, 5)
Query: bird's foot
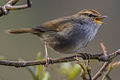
(48, 61)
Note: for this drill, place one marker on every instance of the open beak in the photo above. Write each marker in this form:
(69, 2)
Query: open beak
(98, 19)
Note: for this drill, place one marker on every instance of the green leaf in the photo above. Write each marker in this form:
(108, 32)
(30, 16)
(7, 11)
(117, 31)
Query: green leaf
(65, 68)
(32, 71)
(38, 67)
(46, 76)
(2, 57)
(74, 71)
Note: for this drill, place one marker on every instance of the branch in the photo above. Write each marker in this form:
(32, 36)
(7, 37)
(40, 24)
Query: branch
(85, 56)
(106, 64)
(102, 69)
(4, 10)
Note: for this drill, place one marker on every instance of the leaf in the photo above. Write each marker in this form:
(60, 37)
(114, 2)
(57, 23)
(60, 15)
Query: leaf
(74, 71)
(65, 68)
(32, 71)
(46, 76)
(2, 57)
(38, 67)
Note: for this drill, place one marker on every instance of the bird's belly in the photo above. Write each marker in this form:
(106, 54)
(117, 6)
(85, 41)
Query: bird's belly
(69, 45)
(68, 48)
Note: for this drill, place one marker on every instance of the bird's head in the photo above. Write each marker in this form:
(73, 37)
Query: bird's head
(90, 14)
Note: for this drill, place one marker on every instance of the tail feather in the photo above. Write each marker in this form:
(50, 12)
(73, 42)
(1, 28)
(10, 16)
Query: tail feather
(20, 31)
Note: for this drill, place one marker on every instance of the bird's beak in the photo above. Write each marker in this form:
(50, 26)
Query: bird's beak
(98, 19)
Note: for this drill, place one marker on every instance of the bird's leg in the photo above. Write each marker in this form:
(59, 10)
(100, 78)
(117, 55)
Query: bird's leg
(46, 54)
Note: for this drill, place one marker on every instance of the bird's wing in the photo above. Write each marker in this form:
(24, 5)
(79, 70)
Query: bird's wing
(55, 25)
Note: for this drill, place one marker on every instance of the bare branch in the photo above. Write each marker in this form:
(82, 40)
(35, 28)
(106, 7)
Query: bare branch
(100, 72)
(9, 7)
(4, 10)
(85, 56)
(51, 61)
(106, 64)
(103, 48)
(12, 2)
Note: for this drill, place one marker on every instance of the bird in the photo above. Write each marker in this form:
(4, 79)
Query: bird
(68, 34)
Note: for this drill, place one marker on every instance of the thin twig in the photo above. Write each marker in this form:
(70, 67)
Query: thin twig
(89, 74)
(105, 65)
(99, 73)
(103, 48)
(106, 74)
(4, 10)
(83, 68)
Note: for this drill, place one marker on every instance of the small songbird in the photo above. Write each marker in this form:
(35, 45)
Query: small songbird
(67, 34)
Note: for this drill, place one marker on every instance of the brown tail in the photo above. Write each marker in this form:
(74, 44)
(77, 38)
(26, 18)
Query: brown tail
(20, 31)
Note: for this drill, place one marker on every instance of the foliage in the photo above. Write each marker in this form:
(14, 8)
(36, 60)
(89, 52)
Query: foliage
(38, 72)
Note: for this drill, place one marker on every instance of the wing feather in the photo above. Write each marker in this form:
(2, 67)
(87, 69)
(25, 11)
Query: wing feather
(56, 24)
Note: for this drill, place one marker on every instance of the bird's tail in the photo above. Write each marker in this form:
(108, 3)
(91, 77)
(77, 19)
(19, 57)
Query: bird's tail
(20, 31)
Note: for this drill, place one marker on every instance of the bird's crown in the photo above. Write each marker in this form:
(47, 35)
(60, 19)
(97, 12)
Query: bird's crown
(90, 11)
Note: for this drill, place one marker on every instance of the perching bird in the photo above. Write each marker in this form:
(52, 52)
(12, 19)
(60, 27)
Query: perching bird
(67, 34)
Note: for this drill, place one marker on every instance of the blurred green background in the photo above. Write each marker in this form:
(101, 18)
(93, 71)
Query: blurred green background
(27, 46)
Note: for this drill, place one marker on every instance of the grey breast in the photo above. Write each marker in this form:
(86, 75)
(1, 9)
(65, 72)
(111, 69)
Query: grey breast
(71, 39)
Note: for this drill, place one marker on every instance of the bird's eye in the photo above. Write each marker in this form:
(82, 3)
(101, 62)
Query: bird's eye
(90, 15)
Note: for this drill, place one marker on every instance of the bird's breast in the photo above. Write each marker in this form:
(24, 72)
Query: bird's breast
(71, 40)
